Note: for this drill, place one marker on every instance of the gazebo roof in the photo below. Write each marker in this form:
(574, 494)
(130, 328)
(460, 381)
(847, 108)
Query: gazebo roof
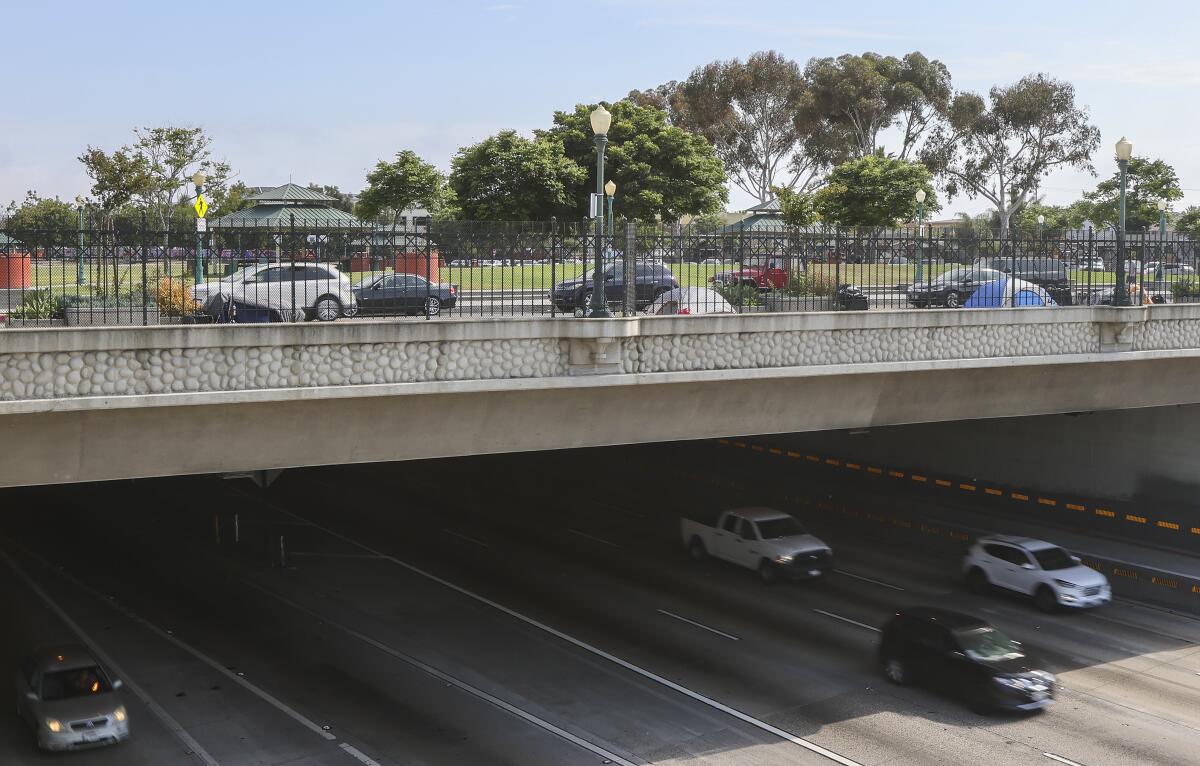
(290, 192)
(7, 241)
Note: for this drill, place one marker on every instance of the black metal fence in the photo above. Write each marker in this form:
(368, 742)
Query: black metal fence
(296, 272)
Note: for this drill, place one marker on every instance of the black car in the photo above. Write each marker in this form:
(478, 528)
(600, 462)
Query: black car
(1047, 273)
(950, 289)
(964, 656)
(395, 294)
(650, 280)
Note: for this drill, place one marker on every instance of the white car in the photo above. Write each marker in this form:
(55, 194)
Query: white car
(1045, 571)
(318, 290)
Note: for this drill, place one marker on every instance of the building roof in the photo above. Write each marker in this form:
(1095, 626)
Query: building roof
(290, 192)
(278, 214)
(6, 240)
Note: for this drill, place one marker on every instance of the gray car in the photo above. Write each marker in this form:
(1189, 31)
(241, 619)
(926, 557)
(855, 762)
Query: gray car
(69, 700)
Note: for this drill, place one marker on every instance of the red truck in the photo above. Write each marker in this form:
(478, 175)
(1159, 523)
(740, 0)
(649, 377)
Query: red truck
(766, 272)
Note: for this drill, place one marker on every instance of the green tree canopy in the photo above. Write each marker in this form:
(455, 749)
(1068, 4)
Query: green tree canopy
(40, 220)
(511, 178)
(1149, 181)
(1188, 221)
(1000, 150)
(1058, 218)
(850, 100)
(117, 178)
(660, 170)
(874, 191)
(797, 207)
(405, 182)
(342, 200)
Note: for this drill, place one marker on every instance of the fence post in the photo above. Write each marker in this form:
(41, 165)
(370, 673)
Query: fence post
(553, 263)
(1091, 255)
(630, 297)
(837, 269)
(428, 271)
(741, 288)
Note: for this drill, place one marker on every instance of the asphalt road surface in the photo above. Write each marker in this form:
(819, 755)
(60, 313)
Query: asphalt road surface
(535, 610)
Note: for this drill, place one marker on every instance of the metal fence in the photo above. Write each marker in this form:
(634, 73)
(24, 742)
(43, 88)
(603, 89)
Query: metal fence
(298, 272)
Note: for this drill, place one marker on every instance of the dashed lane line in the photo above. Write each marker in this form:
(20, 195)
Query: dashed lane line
(468, 538)
(700, 625)
(880, 583)
(592, 537)
(636, 669)
(871, 628)
(1060, 759)
(173, 726)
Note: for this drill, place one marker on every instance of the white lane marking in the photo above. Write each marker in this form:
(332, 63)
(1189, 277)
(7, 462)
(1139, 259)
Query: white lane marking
(697, 696)
(359, 755)
(320, 555)
(172, 638)
(168, 721)
(868, 579)
(446, 677)
(461, 536)
(592, 537)
(1060, 759)
(847, 619)
(699, 625)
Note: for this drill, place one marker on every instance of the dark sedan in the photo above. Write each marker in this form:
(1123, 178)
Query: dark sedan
(394, 294)
(965, 657)
(650, 281)
(951, 288)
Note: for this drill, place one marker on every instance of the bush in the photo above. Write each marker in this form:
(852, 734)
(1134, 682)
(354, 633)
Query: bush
(175, 298)
(803, 283)
(739, 294)
(38, 304)
(1185, 288)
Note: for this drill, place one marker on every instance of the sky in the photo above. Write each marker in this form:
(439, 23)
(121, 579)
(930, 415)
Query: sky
(321, 91)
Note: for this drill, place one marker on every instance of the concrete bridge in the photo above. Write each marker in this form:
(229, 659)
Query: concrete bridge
(109, 403)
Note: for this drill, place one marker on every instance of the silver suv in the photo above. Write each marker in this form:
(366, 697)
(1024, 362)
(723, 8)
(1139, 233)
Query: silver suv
(313, 290)
(1035, 568)
(69, 700)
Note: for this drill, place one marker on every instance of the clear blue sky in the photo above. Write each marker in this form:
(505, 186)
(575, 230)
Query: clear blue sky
(320, 91)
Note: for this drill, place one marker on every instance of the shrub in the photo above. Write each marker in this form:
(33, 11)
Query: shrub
(1186, 287)
(739, 294)
(175, 298)
(802, 283)
(38, 304)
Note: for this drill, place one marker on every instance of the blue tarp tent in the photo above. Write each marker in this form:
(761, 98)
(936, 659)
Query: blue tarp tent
(1007, 291)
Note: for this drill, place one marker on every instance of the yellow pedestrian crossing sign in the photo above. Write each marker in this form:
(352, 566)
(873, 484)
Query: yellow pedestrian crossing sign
(201, 206)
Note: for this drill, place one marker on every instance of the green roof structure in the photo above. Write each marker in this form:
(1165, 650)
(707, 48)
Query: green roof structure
(278, 207)
(763, 216)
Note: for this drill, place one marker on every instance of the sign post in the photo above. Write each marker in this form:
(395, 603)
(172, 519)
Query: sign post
(201, 207)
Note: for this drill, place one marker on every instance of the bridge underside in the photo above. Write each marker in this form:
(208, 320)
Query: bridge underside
(132, 437)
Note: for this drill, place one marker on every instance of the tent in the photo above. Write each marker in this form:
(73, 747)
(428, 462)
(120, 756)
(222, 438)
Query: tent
(690, 300)
(1008, 291)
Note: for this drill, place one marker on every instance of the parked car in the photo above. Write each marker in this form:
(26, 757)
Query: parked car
(964, 656)
(320, 291)
(765, 272)
(404, 294)
(1168, 269)
(1048, 273)
(1090, 263)
(1051, 575)
(951, 288)
(649, 282)
(1138, 296)
(689, 300)
(768, 541)
(69, 700)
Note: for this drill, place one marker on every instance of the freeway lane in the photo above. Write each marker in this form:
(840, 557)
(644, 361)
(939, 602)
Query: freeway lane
(1131, 689)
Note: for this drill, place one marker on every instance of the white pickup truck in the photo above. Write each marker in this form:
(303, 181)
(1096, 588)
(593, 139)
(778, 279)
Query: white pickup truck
(763, 539)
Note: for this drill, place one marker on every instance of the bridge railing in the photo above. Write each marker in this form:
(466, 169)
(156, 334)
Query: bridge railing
(293, 269)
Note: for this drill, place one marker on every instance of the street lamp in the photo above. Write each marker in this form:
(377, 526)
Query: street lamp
(79, 278)
(1162, 239)
(601, 119)
(610, 190)
(1121, 293)
(920, 195)
(198, 178)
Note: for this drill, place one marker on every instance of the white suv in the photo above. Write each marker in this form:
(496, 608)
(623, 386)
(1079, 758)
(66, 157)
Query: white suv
(1036, 568)
(318, 290)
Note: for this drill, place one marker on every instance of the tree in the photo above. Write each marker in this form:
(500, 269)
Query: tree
(117, 179)
(172, 155)
(850, 100)
(1149, 181)
(42, 221)
(1189, 221)
(797, 207)
(660, 170)
(1058, 218)
(1000, 151)
(747, 112)
(874, 192)
(237, 197)
(341, 200)
(403, 183)
(511, 178)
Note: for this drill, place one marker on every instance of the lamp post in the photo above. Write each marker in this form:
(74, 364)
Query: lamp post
(610, 190)
(1041, 225)
(920, 195)
(198, 178)
(1162, 239)
(600, 119)
(79, 278)
(1121, 293)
